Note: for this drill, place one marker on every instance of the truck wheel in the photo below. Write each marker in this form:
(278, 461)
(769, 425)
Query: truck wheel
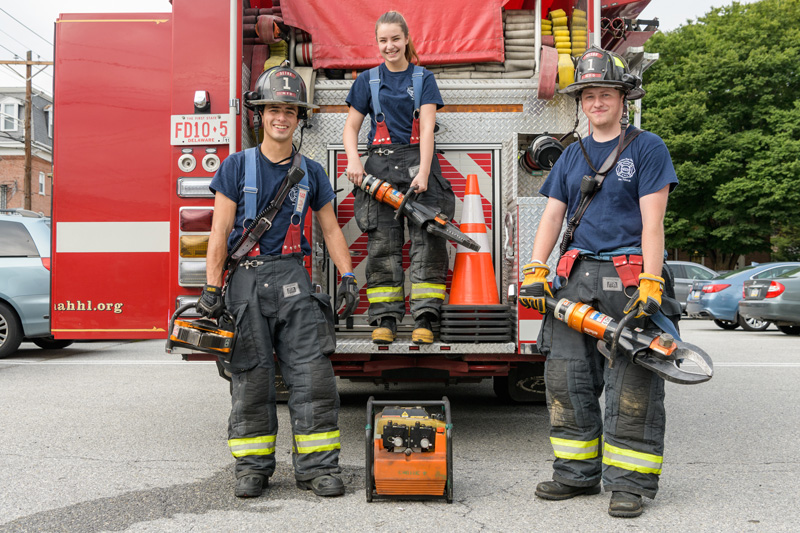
(726, 324)
(790, 330)
(524, 384)
(10, 331)
(49, 343)
(752, 324)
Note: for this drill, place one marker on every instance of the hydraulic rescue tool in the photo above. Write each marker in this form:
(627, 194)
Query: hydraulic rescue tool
(409, 450)
(657, 351)
(427, 218)
(205, 335)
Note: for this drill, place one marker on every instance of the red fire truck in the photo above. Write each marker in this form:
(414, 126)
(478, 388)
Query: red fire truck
(150, 103)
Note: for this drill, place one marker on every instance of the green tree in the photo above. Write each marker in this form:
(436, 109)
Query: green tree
(725, 97)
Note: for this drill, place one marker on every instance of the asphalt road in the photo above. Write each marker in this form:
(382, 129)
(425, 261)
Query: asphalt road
(122, 437)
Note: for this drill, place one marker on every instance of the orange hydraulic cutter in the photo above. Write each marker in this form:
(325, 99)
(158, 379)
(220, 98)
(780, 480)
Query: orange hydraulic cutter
(409, 451)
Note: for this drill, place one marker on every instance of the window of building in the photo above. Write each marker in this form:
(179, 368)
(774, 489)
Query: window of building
(9, 120)
(48, 113)
(41, 183)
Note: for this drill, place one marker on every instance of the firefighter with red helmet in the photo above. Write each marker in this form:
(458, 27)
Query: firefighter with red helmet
(612, 259)
(275, 306)
(401, 99)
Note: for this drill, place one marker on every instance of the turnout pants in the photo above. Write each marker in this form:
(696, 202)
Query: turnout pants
(624, 446)
(428, 253)
(277, 311)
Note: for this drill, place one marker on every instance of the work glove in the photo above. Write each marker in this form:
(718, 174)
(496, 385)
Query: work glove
(347, 293)
(647, 298)
(210, 304)
(535, 287)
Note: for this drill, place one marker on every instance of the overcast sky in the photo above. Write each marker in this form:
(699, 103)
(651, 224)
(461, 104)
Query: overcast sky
(33, 27)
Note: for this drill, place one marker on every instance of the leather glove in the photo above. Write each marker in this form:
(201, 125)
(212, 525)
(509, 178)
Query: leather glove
(535, 287)
(647, 298)
(210, 304)
(347, 293)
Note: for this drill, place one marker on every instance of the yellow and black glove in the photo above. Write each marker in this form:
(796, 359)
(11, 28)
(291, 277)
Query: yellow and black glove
(535, 287)
(647, 298)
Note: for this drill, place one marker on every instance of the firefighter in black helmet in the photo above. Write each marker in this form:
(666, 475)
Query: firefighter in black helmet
(272, 299)
(613, 262)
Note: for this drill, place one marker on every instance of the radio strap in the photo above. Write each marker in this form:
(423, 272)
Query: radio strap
(591, 185)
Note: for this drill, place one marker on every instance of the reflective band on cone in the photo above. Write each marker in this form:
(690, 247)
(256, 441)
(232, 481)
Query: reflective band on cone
(473, 274)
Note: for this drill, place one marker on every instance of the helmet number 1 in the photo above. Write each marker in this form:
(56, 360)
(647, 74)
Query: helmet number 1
(286, 83)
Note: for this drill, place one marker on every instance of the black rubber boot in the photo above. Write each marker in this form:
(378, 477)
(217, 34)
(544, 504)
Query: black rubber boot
(625, 505)
(386, 331)
(422, 333)
(250, 486)
(553, 490)
(327, 485)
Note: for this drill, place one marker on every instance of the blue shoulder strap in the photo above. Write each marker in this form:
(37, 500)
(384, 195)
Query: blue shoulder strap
(250, 185)
(416, 84)
(251, 189)
(374, 86)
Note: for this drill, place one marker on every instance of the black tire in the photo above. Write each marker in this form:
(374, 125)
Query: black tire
(49, 343)
(725, 324)
(524, 384)
(790, 330)
(10, 331)
(752, 324)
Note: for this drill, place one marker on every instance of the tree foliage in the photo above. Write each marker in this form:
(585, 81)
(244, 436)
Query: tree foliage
(725, 97)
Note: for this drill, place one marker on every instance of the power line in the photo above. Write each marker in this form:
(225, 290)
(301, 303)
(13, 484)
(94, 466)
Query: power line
(10, 50)
(27, 28)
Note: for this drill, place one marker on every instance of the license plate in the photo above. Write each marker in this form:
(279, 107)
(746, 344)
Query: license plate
(753, 293)
(696, 295)
(201, 129)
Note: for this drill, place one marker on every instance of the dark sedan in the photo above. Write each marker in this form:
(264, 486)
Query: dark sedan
(776, 300)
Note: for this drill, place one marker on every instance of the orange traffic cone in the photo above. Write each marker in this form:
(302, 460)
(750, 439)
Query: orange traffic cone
(473, 274)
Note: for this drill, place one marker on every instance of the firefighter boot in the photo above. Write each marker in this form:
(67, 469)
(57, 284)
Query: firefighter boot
(327, 485)
(625, 505)
(553, 490)
(422, 333)
(386, 331)
(250, 486)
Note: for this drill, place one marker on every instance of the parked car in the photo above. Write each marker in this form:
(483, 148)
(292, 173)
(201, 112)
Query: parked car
(685, 274)
(25, 281)
(776, 300)
(718, 299)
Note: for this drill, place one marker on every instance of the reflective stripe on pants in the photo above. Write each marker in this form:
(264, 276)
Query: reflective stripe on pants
(575, 449)
(428, 290)
(645, 463)
(317, 442)
(385, 294)
(252, 446)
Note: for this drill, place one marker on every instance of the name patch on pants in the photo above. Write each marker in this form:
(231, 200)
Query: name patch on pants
(293, 289)
(612, 284)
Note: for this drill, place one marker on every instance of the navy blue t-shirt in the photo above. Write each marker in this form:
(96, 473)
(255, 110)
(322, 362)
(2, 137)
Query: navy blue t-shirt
(229, 180)
(613, 219)
(397, 100)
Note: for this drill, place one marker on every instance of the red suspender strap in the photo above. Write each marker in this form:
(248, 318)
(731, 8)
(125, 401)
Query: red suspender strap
(628, 268)
(566, 262)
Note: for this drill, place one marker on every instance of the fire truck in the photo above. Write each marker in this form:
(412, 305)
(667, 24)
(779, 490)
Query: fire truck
(149, 104)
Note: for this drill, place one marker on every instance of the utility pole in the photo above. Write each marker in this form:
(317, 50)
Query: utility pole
(28, 106)
(27, 123)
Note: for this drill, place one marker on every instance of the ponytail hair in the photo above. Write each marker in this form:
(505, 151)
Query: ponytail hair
(393, 17)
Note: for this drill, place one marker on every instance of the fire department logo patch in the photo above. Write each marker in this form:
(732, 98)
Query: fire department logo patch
(625, 169)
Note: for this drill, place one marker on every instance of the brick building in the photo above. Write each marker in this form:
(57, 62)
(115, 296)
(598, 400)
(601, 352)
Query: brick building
(12, 149)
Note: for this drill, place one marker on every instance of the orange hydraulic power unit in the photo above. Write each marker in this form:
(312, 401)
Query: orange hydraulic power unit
(409, 450)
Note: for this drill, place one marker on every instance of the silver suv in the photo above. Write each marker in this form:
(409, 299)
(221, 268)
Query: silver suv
(25, 281)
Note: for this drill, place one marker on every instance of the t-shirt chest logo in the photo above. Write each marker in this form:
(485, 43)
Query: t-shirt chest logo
(293, 194)
(625, 169)
(410, 91)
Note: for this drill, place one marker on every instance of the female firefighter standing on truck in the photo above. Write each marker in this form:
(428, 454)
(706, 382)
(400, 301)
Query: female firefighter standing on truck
(401, 99)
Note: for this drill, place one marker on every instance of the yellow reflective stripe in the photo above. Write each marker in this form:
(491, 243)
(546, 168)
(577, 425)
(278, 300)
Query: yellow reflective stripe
(428, 290)
(645, 463)
(317, 442)
(575, 449)
(252, 446)
(385, 294)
